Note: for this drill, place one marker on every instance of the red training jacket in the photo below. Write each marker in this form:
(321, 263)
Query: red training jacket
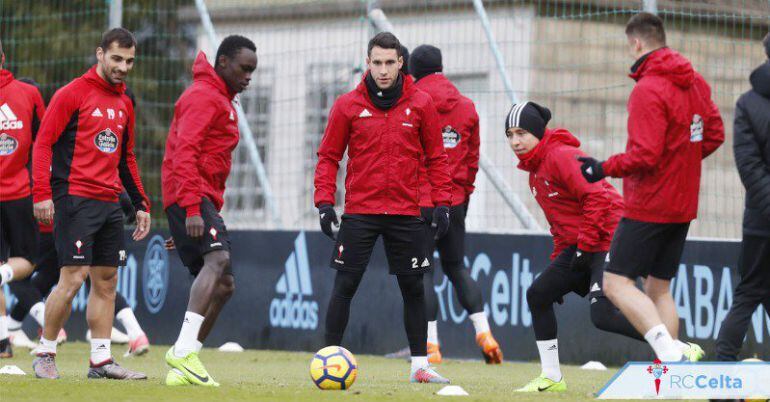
(85, 146)
(672, 125)
(459, 124)
(203, 135)
(580, 213)
(385, 151)
(21, 110)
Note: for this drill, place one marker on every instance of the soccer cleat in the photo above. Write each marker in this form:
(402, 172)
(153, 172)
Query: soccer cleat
(427, 375)
(113, 371)
(44, 366)
(138, 346)
(693, 353)
(176, 378)
(434, 354)
(542, 384)
(489, 348)
(191, 367)
(20, 339)
(6, 351)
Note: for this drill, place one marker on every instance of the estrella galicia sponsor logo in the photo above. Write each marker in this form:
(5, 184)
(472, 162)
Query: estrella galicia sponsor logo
(106, 141)
(155, 274)
(295, 309)
(451, 137)
(8, 144)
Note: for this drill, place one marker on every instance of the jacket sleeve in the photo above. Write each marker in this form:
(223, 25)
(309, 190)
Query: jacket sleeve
(435, 157)
(713, 127)
(592, 197)
(194, 119)
(472, 157)
(752, 168)
(63, 105)
(646, 134)
(128, 169)
(39, 112)
(330, 152)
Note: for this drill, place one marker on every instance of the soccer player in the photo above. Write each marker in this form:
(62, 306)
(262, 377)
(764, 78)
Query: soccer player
(459, 124)
(752, 131)
(387, 127)
(203, 135)
(83, 158)
(672, 125)
(21, 110)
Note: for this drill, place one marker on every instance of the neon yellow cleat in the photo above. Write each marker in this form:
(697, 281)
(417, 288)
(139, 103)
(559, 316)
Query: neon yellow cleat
(191, 368)
(542, 384)
(176, 378)
(694, 352)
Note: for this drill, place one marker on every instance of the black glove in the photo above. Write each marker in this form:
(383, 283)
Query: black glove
(582, 260)
(591, 169)
(440, 220)
(327, 217)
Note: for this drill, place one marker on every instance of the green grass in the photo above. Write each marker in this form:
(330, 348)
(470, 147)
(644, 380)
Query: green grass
(271, 375)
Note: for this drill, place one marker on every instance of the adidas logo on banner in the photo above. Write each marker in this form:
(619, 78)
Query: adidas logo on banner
(365, 113)
(97, 113)
(293, 310)
(8, 119)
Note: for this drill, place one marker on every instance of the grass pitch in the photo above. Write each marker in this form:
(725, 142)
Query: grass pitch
(280, 376)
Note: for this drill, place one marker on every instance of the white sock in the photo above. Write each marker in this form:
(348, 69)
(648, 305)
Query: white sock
(128, 319)
(433, 332)
(682, 345)
(198, 346)
(666, 349)
(419, 362)
(37, 311)
(188, 336)
(480, 322)
(13, 325)
(549, 359)
(6, 274)
(3, 327)
(100, 351)
(47, 346)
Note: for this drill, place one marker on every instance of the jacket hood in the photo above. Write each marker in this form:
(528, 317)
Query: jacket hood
(92, 77)
(445, 95)
(551, 139)
(203, 71)
(668, 64)
(760, 79)
(6, 77)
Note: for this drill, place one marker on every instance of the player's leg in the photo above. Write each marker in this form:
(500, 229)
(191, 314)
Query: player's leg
(604, 315)
(17, 222)
(431, 299)
(5, 343)
(138, 344)
(27, 296)
(753, 289)
(222, 293)
(634, 249)
(548, 288)
(352, 250)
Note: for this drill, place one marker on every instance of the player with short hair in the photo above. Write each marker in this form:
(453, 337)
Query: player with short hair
(202, 137)
(21, 110)
(673, 124)
(83, 158)
(459, 124)
(387, 127)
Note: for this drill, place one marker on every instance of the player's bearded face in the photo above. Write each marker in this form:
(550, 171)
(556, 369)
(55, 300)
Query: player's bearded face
(384, 65)
(116, 62)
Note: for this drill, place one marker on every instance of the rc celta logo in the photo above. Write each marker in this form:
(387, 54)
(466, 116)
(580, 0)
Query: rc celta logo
(657, 370)
(155, 274)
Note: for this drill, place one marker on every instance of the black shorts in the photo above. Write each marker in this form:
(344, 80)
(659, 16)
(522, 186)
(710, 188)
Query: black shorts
(642, 248)
(451, 247)
(560, 278)
(88, 232)
(46, 252)
(18, 230)
(403, 237)
(191, 251)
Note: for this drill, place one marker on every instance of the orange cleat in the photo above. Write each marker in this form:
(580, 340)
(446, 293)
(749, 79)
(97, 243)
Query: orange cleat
(434, 354)
(489, 348)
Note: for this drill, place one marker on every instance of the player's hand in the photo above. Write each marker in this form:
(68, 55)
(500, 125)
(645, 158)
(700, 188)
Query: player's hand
(170, 244)
(143, 223)
(591, 169)
(440, 221)
(327, 216)
(194, 226)
(582, 260)
(43, 211)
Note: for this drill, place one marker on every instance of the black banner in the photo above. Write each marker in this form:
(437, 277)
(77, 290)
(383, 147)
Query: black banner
(283, 283)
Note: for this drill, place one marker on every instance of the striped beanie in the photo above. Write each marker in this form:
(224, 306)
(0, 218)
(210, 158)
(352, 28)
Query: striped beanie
(530, 116)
